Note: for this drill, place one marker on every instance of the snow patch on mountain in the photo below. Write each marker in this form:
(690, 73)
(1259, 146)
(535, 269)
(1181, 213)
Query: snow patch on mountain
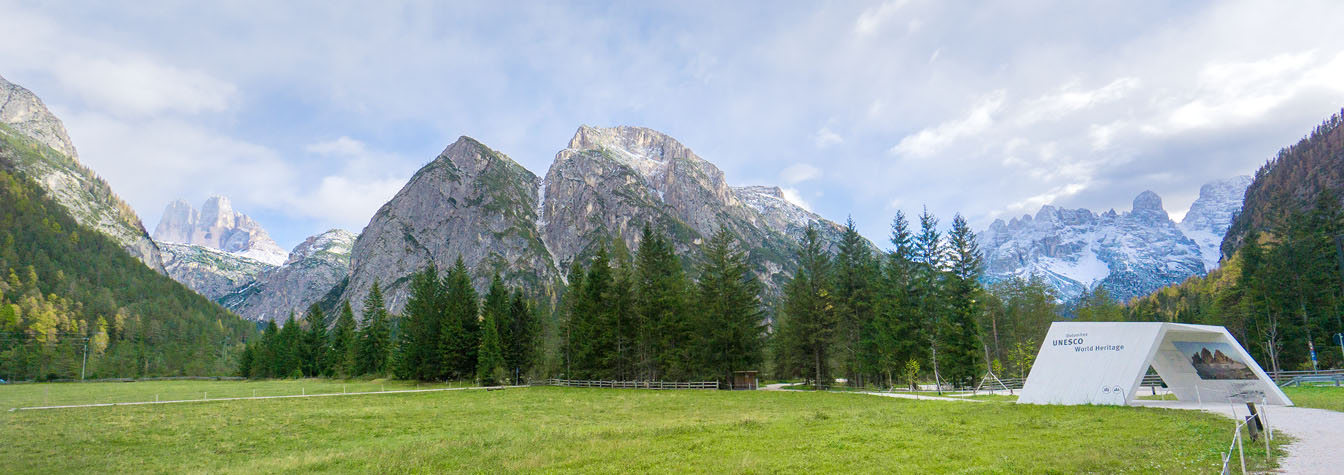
(1129, 254)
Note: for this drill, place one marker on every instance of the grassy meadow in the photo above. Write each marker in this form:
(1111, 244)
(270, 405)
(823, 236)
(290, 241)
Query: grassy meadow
(547, 429)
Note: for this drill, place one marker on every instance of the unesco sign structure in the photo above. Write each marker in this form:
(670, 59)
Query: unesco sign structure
(1104, 363)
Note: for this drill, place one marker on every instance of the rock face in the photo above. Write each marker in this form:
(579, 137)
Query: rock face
(607, 184)
(311, 271)
(218, 226)
(210, 272)
(471, 202)
(1211, 215)
(1129, 254)
(26, 122)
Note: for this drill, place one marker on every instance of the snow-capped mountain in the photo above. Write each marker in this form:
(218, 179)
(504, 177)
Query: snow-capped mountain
(1128, 254)
(218, 226)
(1210, 216)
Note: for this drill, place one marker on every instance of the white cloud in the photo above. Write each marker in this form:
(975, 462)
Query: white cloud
(825, 137)
(874, 18)
(798, 173)
(341, 146)
(793, 196)
(932, 140)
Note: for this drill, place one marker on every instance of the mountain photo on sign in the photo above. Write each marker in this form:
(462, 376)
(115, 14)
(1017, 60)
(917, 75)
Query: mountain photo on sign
(1214, 360)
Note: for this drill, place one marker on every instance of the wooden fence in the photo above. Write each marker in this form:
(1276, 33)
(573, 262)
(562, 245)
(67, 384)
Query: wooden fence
(575, 383)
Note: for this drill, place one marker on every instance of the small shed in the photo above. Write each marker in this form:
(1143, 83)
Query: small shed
(743, 380)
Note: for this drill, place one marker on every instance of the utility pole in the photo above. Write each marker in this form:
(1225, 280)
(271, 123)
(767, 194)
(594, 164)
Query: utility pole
(86, 359)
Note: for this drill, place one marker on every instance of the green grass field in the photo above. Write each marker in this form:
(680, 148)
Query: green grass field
(589, 430)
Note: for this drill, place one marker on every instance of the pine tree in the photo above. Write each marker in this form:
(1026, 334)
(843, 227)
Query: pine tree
(730, 325)
(808, 322)
(314, 349)
(661, 290)
(593, 338)
(288, 350)
(520, 347)
(375, 338)
(574, 305)
(855, 271)
(461, 326)
(489, 357)
(263, 362)
(928, 284)
(417, 355)
(892, 338)
(343, 344)
(961, 346)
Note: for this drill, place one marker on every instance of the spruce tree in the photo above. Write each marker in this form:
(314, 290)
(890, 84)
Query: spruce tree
(343, 344)
(961, 346)
(489, 357)
(520, 348)
(417, 354)
(314, 349)
(894, 335)
(929, 279)
(263, 363)
(729, 324)
(808, 322)
(288, 350)
(593, 338)
(661, 290)
(375, 337)
(461, 326)
(574, 305)
(855, 271)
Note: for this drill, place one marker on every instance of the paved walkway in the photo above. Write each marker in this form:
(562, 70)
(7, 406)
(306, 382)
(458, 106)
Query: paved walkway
(1319, 447)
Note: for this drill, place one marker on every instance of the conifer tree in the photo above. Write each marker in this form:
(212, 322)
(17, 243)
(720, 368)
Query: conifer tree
(263, 360)
(893, 337)
(730, 325)
(417, 354)
(375, 337)
(661, 290)
(855, 271)
(520, 348)
(343, 343)
(314, 348)
(593, 338)
(928, 284)
(288, 352)
(573, 306)
(808, 322)
(489, 357)
(461, 326)
(961, 351)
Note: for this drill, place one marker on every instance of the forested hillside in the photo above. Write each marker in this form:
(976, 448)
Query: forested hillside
(1279, 292)
(1290, 183)
(65, 285)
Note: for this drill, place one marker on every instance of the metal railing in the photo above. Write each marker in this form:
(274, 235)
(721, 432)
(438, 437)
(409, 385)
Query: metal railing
(575, 383)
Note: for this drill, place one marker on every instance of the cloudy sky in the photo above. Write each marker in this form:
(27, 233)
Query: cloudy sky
(310, 116)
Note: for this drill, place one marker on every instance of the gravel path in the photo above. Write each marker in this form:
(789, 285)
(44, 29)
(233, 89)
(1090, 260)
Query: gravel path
(1319, 447)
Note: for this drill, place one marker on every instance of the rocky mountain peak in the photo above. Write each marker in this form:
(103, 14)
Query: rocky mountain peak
(25, 112)
(336, 242)
(1212, 213)
(43, 152)
(630, 141)
(1148, 202)
(218, 226)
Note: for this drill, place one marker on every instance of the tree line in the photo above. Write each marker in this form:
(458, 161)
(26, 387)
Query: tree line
(444, 333)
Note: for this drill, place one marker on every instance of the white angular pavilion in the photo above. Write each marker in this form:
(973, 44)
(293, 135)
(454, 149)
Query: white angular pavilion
(1104, 363)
